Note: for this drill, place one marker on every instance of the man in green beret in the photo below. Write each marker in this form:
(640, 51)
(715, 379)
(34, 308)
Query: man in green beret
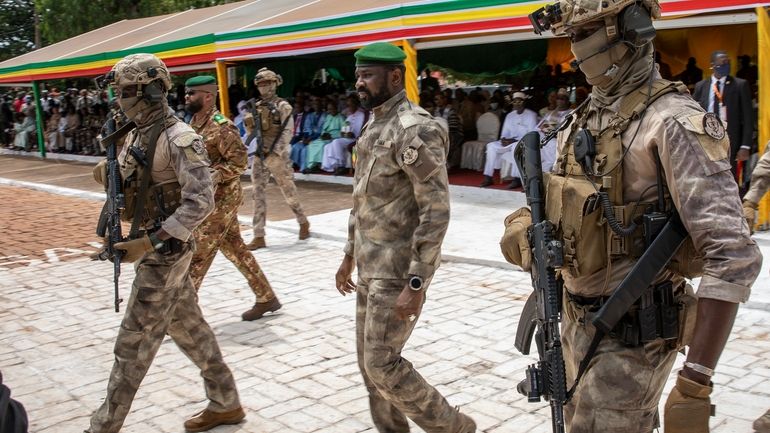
(220, 230)
(399, 217)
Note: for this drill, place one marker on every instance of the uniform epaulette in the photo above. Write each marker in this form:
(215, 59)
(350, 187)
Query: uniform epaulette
(220, 119)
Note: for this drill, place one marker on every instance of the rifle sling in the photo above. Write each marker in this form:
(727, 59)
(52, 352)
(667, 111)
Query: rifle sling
(118, 134)
(639, 279)
(146, 176)
(275, 141)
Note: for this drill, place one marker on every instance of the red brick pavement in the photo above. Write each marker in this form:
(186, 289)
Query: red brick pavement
(37, 225)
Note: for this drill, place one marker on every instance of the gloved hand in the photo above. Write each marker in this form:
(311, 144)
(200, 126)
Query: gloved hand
(514, 244)
(135, 248)
(100, 172)
(688, 407)
(749, 212)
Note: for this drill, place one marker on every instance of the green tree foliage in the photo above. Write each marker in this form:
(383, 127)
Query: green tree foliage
(17, 30)
(63, 19)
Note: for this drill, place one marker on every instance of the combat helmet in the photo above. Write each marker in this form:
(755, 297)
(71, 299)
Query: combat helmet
(265, 74)
(139, 69)
(563, 15)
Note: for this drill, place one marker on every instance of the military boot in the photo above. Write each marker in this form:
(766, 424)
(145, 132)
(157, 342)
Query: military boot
(207, 420)
(260, 308)
(256, 244)
(762, 424)
(304, 231)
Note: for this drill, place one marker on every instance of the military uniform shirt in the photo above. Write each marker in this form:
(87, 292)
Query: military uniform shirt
(760, 179)
(697, 174)
(179, 156)
(400, 196)
(226, 152)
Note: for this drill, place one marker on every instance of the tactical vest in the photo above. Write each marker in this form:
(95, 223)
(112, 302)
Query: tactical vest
(270, 120)
(573, 202)
(161, 198)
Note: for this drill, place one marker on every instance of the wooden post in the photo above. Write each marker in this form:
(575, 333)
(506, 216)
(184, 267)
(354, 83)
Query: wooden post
(224, 101)
(410, 78)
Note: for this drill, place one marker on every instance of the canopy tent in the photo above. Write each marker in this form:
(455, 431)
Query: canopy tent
(279, 28)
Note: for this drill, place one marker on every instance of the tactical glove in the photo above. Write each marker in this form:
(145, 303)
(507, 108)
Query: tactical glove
(688, 407)
(749, 212)
(514, 244)
(135, 248)
(100, 172)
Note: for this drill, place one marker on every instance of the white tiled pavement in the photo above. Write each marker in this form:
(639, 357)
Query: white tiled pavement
(296, 370)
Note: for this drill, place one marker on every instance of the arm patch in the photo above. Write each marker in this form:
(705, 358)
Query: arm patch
(220, 119)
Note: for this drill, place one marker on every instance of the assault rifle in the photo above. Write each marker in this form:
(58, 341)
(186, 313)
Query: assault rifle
(546, 379)
(109, 227)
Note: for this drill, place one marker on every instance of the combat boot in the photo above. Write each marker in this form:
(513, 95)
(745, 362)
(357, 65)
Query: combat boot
(207, 420)
(304, 231)
(762, 424)
(260, 308)
(256, 244)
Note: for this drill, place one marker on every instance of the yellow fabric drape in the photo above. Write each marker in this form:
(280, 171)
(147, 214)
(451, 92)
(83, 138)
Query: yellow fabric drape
(678, 45)
(763, 36)
(559, 53)
(410, 79)
(224, 104)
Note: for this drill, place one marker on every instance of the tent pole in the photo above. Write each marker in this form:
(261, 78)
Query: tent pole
(38, 118)
(224, 103)
(410, 80)
(763, 51)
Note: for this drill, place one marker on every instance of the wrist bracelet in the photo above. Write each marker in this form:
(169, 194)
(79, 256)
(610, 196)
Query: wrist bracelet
(699, 368)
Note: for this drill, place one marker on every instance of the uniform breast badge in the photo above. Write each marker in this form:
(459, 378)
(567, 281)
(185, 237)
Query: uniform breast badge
(409, 155)
(712, 126)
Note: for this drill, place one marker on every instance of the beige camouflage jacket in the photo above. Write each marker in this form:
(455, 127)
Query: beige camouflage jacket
(179, 157)
(400, 195)
(760, 179)
(697, 174)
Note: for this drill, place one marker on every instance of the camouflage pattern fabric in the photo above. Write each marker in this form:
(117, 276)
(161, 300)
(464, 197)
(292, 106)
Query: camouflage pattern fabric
(760, 179)
(396, 389)
(399, 218)
(278, 164)
(400, 194)
(162, 301)
(221, 231)
(621, 389)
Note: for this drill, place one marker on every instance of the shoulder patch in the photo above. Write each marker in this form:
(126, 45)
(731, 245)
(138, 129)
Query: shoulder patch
(711, 134)
(219, 118)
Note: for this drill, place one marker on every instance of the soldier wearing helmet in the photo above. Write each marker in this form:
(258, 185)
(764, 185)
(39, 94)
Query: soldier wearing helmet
(269, 137)
(639, 150)
(168, 192)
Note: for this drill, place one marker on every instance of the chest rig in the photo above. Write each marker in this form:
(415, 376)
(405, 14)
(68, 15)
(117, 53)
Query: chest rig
(147, 203)
(584, 196)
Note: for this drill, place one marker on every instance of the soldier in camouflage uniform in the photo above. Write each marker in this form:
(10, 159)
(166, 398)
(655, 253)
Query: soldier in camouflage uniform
(760, 184)
(163, 299)
(634, 119)
(221, 231)
(272, 155)
(399, 217)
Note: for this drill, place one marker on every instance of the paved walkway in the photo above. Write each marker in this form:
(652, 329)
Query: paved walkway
(295, 370)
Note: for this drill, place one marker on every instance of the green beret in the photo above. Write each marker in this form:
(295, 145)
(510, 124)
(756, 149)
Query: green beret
(379, 53)
(201, 80)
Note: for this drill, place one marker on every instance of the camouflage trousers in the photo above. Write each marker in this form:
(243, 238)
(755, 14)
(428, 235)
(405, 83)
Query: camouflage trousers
(396, 390)
(162, 301)
(620, 390)
(279, 165)
(221, 232)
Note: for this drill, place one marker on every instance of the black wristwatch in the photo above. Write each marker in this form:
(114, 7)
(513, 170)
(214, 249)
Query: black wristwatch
(415, 283)
(156, 242)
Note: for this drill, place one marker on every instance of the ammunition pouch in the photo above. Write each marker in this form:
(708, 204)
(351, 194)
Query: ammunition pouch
(162, 200)
(663, 312)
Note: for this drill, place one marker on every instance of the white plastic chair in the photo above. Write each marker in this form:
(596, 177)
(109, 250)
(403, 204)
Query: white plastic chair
(474, 152)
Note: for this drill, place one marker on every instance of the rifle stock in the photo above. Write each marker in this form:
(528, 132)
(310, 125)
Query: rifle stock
(546, 379)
